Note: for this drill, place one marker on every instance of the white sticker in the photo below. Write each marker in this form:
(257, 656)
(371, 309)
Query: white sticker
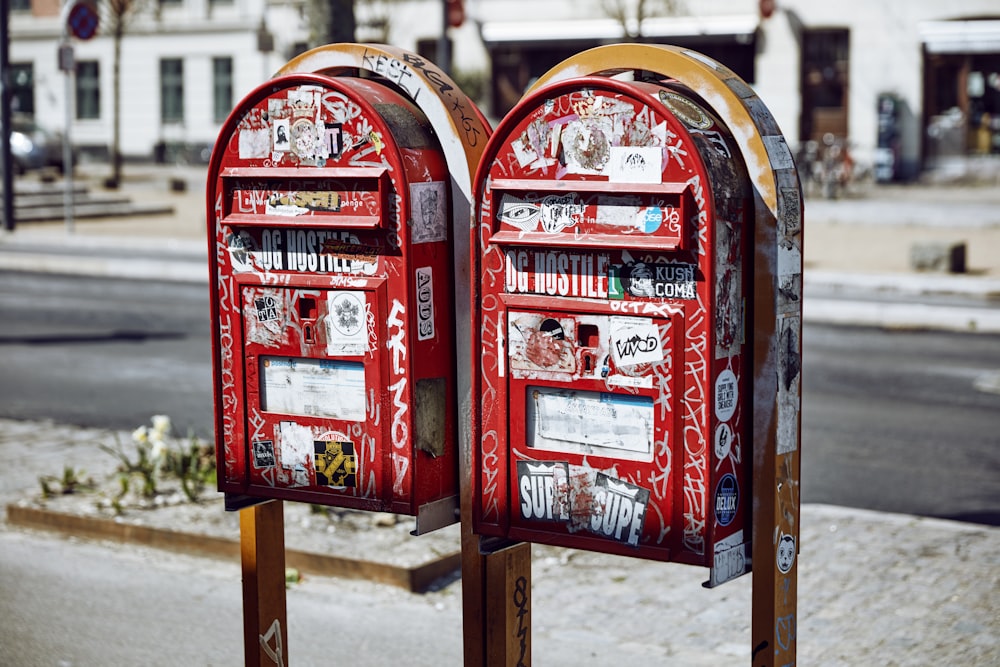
(346, 319)
(723, 441)
(635, 164)
(726, 395)
(428, 212)
(254, 143)
(425, 303)
(634, 341)
(296, 444)
(729, 559)
(785, 553)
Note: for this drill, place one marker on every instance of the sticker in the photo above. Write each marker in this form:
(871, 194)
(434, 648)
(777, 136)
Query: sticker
(335, 463)
(785, 553)
(729, 559)
(267, 308)
(790, 211)
(305, 140)
(686, 111)
(539, 343)
(334, 139)
(281, 135)
(726, 395)
(635, 341)
(263, 454)
(627, 213)
(254, 143)
(346, 330)
(586, 145)
(520, 213)
(723, 441)
(663, 281)
(296, 451)
(241, 247)
(619, 510)
(425, 303)
(428, 212)
(635, 164)
(727, 499)
(556, 273)
(559, 212)
(543, 488)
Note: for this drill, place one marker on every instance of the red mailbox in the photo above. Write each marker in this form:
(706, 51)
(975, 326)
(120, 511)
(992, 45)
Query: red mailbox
(331, 274)
(609, 255)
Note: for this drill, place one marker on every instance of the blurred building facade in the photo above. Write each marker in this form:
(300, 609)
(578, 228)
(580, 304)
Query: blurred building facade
(915, 80)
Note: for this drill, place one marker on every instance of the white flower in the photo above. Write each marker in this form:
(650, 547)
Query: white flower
(161, 425)
(159, 449)
(141, 435)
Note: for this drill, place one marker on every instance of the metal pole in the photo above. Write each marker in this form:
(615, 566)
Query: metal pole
(444, 43)
(69, 66)
(5, 117)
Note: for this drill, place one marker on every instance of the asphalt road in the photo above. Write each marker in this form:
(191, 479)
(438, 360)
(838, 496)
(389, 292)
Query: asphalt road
(892, 420)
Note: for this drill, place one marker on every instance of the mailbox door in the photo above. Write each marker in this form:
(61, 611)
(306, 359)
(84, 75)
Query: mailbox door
(609, 247)
(331, 298)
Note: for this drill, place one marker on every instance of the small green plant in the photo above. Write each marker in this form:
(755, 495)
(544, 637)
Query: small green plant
(194, 466)
(150, 454)
(72, 481)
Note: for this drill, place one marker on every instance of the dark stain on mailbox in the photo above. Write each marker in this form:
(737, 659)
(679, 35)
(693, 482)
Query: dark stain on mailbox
(609, 253)
(332, 307)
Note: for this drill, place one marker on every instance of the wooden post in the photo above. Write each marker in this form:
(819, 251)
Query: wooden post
(262, 549)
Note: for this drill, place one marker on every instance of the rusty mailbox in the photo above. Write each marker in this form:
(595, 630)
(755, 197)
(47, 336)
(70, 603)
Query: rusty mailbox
(609, 257)
(328, 202)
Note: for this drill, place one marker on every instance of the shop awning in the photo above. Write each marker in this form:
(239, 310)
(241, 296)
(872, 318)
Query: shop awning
(961, 36)
(739, 28)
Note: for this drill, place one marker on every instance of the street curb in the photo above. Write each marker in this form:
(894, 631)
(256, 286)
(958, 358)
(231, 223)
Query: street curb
(901, 316)
(418, 579)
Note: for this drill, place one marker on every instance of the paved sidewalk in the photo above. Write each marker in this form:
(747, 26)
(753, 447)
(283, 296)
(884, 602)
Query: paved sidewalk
(874, 589)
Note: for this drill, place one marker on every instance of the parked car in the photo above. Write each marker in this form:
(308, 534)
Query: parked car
(34, 147)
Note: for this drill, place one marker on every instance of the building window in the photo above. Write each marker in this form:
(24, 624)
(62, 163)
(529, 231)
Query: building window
(172, 90)
(20, 5)
(22, 88)
(88, 90)
(825, 66)
(222, 87)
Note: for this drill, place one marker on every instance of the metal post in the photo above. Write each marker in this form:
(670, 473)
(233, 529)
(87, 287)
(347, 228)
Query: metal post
(444, 42)
(68, 65)
(7, 165)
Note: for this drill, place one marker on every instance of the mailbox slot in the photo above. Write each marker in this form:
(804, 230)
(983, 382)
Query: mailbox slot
(591, 214)
(351, 198)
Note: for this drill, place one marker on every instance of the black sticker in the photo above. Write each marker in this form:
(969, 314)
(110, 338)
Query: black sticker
(263, 454)
(335, 463)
